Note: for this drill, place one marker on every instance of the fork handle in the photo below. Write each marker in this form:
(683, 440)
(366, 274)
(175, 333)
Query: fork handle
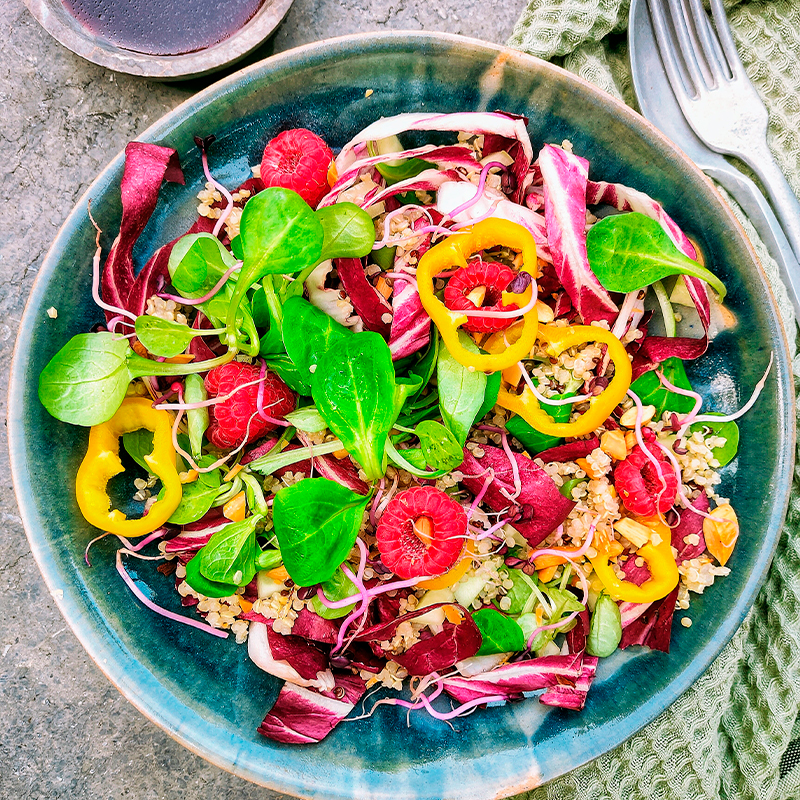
(783, 199)
(758, 210)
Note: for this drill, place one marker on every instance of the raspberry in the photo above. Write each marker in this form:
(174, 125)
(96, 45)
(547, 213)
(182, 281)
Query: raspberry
(644, 489)
(421, 533)
(230, 418)
(494, 278)
(298, 159)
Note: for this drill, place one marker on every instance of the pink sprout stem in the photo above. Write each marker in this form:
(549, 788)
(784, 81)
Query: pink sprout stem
(490, 531)
(206, 297)
(645, 449)
(131, 584)
(386, 240)
(514, 467)
(476, 502)
(698, 402)
(118, 320)
(747, 406)
(566, 401)
(221, 189)
(373, 520)
(96, 287)
(260, 399)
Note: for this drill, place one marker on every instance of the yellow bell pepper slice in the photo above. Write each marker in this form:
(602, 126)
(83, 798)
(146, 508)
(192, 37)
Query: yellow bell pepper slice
(102, 462)
(455, 252)
(558, 340)
(664, 574)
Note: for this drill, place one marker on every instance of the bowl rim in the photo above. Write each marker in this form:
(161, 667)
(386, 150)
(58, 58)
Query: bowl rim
(110, 657)
(70, 33)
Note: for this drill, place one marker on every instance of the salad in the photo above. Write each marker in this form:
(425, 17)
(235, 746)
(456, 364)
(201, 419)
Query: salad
(411, 416)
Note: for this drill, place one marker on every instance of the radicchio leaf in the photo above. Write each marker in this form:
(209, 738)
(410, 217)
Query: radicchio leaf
(306, 716)
(298, 661)
(580, 448)
(341, 470)
(146, 166)
(565, 178)
(479, 123)
(454, 643)
(690, 524)
(368, 302)
(541, 508)
(653, 627)
(411, 325)
(297, 651)
(567, 679)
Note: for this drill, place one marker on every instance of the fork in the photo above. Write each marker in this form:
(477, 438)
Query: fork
(718, 99)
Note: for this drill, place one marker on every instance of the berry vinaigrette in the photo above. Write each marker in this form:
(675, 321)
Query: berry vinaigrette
(162, 29)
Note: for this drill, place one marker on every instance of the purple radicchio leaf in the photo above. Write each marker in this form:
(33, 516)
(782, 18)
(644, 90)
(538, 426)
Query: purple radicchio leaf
(567, 679)
(428, 181)
(146, 166)
(288, 657)
(656, 349)
(565, 178)
(444, 158)
(478, 123)
(653, 627)
(454, 643)
(306, 716)
(540, 507)
(411, 325)
(690, 524)
(368, 302)
(580, 448)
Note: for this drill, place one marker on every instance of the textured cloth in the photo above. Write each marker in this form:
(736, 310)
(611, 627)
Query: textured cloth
(735, 734)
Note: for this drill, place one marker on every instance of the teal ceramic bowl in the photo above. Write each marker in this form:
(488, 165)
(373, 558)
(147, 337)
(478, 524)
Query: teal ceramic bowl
(204, 691)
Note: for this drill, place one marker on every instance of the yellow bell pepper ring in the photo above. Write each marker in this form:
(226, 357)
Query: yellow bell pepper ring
(600, 407)
(664, 574)
(455, 252)
(102, 462)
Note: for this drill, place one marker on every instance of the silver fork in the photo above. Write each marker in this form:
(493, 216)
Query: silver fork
(718, 99)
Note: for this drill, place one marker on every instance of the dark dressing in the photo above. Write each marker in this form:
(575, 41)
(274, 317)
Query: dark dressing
(157, 27)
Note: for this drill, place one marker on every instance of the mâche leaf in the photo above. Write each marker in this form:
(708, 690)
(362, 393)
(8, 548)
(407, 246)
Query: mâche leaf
(163, 337)
(441, 448)
(198, 496)
(230, 555)
(197, 419)
(197, 263)
(349, 231)
(630, 251)
(353, 388)
(500, 634)
(461, 391)
(316, 521)
(307, 333)
(728, 431)
(605, 629)
(652, 392)
(335, 588)
(307, 419)
(203, 585)
(86, 381)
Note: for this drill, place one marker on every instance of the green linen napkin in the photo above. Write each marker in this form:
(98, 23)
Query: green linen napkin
(735, 734)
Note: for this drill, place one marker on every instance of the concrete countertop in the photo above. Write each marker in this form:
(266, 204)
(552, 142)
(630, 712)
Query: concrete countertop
(65, 731)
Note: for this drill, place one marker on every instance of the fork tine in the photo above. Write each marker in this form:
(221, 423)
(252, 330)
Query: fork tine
(681, 28)
(672, 56)
(726, 39)
(705, 41)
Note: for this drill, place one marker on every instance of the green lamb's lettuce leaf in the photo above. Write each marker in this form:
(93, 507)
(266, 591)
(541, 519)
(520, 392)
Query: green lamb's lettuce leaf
(652, 392)
(500, 634)
(316, 521)
(349, 231)
(230, 554)
(630, 251)
(353, 388)
(461, 391)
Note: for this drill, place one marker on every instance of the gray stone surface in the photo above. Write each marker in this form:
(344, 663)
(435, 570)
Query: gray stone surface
(65, 732)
